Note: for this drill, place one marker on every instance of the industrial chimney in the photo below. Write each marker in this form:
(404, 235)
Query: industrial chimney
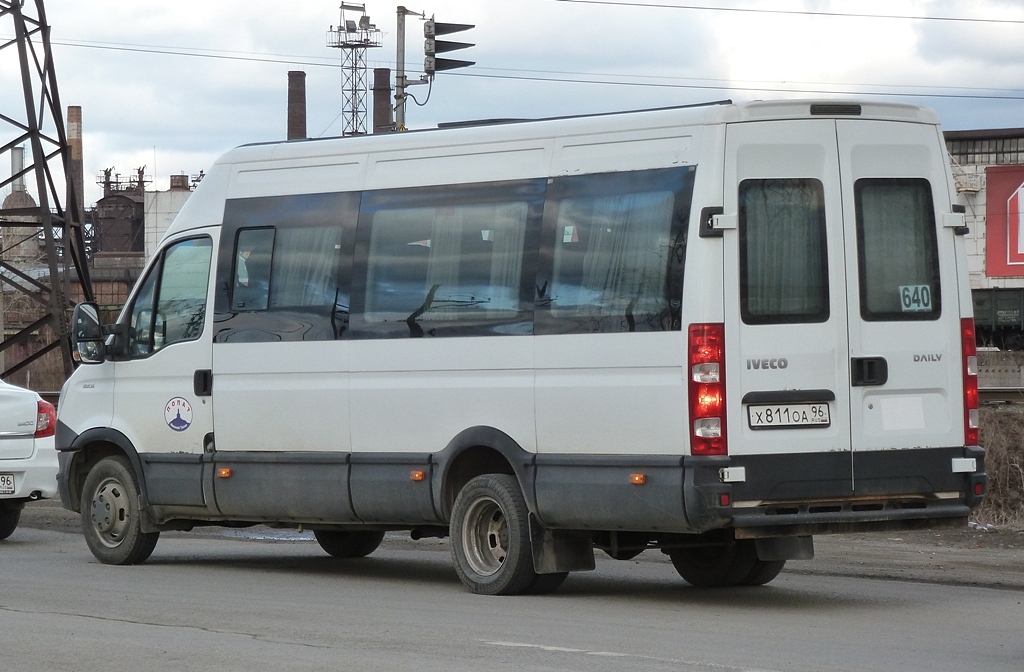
(383, 122)
(18, 165)
(296, 105)
(20, 245)
(76, 176)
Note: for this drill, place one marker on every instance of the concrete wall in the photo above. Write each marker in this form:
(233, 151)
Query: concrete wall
(161, 209)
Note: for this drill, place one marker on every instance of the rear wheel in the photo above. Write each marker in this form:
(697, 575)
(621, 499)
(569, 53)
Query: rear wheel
(764, 571)
(112, 514)
(357, 544)
(9, 518)
(491, 539)
(717, 566)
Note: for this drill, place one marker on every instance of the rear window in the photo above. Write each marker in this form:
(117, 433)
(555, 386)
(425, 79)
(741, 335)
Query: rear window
(897, 250)
(783, 254)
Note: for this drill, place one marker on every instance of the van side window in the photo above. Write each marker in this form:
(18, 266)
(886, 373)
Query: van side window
(171, 304)
(305, 272)
(897, 250)
(282, 271)
(254, 251)
(446, 261)
(614, 247)
(783, 254)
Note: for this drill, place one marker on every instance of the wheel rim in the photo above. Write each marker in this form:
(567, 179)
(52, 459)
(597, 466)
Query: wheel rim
(110, 512)
(485, 536)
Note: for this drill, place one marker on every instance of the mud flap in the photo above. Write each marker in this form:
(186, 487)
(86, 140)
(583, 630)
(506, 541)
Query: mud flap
(557, 551)
(785, 548)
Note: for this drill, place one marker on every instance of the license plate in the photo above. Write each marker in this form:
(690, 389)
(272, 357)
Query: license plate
(6, 484)
(782, 416)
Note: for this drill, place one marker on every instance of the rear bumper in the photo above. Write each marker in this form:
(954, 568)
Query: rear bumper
(35, 477)
(853, 492)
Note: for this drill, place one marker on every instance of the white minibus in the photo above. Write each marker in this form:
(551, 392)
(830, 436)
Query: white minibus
(714, 331)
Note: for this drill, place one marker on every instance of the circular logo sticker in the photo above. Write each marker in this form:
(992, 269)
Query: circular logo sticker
(178, 414)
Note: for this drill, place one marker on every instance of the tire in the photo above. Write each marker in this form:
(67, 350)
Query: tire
(112, 515)
(718, 566)
(491, 538)
(543, 584)
(9, 518)
(349, 544)
(764, 571)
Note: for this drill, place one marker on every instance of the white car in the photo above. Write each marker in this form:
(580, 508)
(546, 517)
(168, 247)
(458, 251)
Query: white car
(28, 458)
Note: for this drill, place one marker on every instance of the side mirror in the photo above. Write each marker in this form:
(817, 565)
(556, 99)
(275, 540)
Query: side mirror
(87, 334)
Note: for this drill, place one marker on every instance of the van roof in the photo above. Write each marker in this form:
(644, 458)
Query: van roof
(318, 162)
(713, 112)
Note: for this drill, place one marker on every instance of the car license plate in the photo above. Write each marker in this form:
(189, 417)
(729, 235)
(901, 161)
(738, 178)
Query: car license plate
(784, 416)
(6, 484)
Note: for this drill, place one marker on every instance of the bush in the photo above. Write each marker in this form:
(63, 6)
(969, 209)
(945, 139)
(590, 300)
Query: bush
(1002, 436)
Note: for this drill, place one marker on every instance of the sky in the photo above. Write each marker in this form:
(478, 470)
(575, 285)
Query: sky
(172, 85)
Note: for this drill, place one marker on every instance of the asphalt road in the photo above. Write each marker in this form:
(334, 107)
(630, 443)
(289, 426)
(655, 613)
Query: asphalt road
(220, 602)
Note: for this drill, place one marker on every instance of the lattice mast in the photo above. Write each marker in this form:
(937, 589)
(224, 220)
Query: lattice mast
(353, 36)
(36, 123)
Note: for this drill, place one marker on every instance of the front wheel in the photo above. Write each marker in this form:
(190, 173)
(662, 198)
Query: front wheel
(357, 544)
(9, 518)
(491, 538)
(112, 514)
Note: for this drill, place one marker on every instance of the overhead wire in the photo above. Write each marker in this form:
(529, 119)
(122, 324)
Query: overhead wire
(798, 12)
(918, 91)
(766, 88)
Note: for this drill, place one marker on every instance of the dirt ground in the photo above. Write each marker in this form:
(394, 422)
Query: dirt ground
(977, 556)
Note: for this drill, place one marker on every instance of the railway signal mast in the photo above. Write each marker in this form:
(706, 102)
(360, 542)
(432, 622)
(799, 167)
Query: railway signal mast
(431, 63)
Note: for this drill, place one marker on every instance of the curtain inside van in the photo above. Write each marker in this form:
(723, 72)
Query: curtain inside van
(611, 257)
(784, 268)
(897, 249)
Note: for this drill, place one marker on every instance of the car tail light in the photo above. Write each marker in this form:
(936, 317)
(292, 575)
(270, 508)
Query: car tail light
(707, 389)
(970, 363)
(46, 419)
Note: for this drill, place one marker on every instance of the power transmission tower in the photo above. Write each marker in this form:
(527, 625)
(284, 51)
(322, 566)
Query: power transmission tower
(36, 123)
(354, 37)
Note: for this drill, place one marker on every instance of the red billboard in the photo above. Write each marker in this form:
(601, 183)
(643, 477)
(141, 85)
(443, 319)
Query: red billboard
(1004, 233)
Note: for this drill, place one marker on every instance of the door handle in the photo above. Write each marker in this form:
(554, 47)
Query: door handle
(202, 382)
(868, 371)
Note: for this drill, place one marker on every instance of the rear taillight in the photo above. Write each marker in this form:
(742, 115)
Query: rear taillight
(46, 419)
(970, 363)
(707, 389)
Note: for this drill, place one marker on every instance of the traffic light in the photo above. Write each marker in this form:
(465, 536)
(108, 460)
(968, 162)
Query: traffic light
(432, 46)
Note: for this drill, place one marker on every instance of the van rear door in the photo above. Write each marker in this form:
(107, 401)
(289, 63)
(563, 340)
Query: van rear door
(787, 350)
(905, 332)
(843, 334)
